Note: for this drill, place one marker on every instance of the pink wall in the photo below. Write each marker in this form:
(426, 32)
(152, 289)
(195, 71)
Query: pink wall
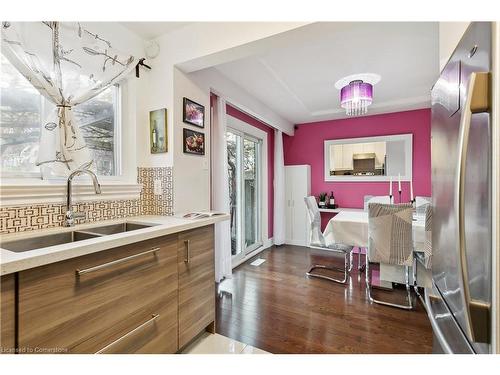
(306, 147)
(270, 158)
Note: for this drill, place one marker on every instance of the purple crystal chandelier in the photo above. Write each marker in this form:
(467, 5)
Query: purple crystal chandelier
(356, 97)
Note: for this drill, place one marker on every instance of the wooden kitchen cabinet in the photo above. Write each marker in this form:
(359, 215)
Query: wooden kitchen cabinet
(347, 152)
(103, 302)
(7, 314)
(196, 282)
(152, 296)
(336, 155)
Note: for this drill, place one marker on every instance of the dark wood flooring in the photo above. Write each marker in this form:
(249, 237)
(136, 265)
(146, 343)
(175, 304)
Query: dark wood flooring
(277, 308)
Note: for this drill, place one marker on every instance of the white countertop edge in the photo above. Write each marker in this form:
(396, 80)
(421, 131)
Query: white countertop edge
(11, 262)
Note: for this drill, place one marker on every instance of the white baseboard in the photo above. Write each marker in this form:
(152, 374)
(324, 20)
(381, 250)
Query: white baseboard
(295, 242)
(267, 244)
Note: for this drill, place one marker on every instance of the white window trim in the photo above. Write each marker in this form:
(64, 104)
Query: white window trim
(15, 195)
(31, 189)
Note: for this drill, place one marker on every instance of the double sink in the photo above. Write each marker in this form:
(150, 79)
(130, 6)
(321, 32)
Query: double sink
(40, 242)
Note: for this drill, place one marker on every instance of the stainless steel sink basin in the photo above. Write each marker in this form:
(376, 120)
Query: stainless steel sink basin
(116, 228)
(40, 242)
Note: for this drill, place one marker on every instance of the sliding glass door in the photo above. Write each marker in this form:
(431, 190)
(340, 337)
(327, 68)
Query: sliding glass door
(244, 167)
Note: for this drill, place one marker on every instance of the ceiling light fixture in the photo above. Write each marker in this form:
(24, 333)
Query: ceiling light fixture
(356, 92)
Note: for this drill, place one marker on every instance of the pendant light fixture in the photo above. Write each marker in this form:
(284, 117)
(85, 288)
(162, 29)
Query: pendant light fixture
(356, 92)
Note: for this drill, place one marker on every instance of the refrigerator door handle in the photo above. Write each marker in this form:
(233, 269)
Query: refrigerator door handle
(477, 101)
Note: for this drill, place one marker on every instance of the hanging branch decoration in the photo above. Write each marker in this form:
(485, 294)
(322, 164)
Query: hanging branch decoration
(98, 38)
(108, 58)
(52, 57)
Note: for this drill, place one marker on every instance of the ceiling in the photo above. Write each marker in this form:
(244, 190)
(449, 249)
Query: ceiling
(151, 30)
(296, 76)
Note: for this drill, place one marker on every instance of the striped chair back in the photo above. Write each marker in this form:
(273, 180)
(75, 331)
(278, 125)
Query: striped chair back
(390, 233)
(428, 237)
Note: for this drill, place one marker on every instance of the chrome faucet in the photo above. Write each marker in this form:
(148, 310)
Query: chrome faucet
(70, 216)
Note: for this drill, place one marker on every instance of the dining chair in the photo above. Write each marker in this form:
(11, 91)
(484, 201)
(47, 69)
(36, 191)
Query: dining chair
(390, 242)
(317, 241)
(421, 204)
(424, 256)
(375, 199)
(371, 199)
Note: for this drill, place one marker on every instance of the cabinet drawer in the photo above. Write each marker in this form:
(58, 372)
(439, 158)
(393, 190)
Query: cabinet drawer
(151, 330)
(196, 282)
(82, 305)
(7, 314)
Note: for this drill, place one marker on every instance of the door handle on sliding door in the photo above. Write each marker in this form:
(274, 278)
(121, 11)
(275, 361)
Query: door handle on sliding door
(477, 101)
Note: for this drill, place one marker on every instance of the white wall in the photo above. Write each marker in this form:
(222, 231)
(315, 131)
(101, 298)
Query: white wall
(191, 172)
(213, 80)
(192, 43)
(165, 86)
(450, 34)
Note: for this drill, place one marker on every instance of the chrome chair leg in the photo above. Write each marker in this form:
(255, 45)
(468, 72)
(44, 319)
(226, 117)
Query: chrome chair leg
(361, 267)
(346, 271)
(408, 290)
(415, 285)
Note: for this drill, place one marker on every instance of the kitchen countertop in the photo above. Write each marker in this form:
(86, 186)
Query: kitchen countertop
(11, 262)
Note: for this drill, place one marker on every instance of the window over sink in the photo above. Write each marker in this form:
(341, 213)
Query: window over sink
(23, 110)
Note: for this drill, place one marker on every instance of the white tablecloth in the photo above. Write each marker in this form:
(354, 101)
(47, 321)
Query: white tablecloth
(351, 228)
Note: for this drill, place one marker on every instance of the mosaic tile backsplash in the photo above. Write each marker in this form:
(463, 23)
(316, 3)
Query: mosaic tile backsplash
(153, 204)
(41, 216)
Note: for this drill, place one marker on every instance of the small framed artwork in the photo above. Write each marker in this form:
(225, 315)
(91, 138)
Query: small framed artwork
(194, 142)
(193, 113)
(158, 141)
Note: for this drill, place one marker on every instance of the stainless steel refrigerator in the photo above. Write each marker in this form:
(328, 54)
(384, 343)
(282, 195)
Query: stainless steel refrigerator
(459, 302)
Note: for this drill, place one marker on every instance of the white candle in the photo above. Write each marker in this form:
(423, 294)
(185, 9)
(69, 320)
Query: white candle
(390, 186)
(399, 182)
(411, 190)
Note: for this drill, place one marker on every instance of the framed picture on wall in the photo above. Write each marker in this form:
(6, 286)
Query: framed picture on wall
(194, 142)
(193, 113)
(158, 136)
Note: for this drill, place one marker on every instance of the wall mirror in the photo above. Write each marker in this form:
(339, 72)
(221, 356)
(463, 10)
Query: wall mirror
(369, 158)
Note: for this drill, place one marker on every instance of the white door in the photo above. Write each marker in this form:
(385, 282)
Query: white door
(245, 191)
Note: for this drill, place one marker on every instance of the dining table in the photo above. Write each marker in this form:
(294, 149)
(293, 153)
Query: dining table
(350, 227)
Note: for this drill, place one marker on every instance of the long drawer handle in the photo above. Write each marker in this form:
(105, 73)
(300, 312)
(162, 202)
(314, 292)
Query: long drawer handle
(121, 338)
(186, 243)
(115, 262)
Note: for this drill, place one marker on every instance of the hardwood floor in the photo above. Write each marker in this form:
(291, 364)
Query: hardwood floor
(277, 308)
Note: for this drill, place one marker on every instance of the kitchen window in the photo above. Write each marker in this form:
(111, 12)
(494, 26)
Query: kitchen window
(23, 110)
